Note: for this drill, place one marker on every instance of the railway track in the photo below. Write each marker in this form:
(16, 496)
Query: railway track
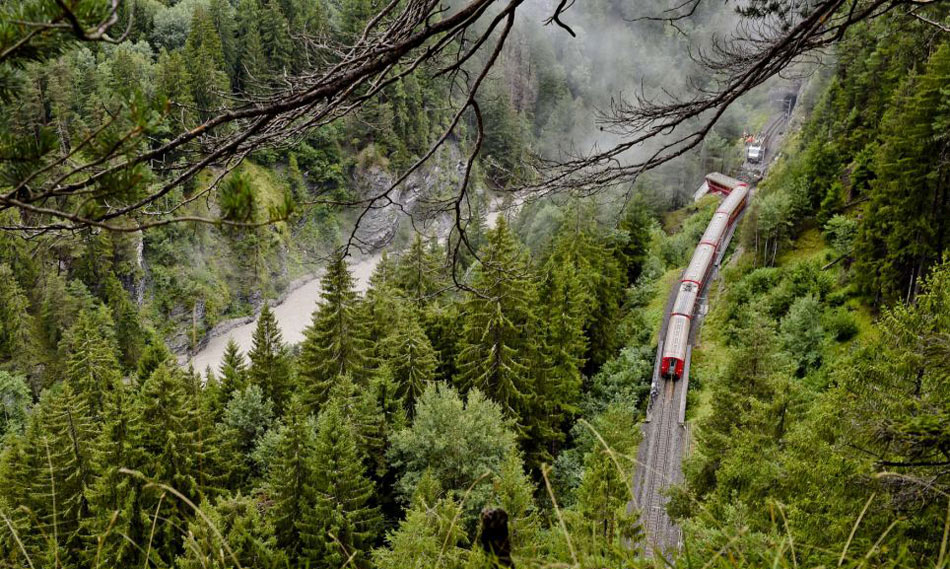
(665, 431)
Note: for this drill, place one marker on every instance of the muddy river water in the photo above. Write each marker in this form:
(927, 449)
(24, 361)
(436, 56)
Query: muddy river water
(295, 312)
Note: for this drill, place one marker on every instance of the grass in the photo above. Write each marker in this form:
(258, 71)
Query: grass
(657, 305)
(807, 246)
(673, 221)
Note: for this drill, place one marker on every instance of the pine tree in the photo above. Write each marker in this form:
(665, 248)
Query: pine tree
(336, 343)
(270, 362)
(290, 474)
(496, 351)
(340, 520)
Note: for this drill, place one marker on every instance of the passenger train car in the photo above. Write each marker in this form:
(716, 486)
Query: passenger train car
(699, 269)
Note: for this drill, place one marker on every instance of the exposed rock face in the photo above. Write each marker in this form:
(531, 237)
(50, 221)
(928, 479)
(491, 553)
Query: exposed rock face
(418, 197)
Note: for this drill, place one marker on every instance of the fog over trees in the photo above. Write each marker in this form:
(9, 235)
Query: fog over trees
(520, 178)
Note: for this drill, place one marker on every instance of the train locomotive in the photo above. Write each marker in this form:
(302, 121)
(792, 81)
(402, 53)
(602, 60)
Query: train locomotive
(699, 269)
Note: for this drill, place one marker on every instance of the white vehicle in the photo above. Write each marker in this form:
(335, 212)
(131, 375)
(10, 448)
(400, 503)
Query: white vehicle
(755, 153)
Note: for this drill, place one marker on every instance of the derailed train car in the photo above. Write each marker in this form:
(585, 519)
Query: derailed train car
(698, 271)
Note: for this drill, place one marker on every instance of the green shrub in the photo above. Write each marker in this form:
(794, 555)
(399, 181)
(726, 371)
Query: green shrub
(841, 324)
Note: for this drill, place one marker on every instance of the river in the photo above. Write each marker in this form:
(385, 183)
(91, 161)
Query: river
(295, 312)
(293, 315)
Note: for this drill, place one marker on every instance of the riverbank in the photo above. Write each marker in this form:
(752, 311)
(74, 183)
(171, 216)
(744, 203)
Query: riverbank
(293, 314)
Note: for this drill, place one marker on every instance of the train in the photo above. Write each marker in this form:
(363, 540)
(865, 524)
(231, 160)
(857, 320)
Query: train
(698, 271)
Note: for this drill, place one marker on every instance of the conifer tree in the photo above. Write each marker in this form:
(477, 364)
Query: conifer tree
(361, 407)
(420, 272)
(291, 472)
(252, 72)
(128, 328)
(222, 14)
(91, 358)
(906, 227)
(426, 537)
(595, 258)
(336, 343)
(54, 469)
(499, 335)
(635, 248)
(564, 345)
(114, 491)
(233, 371)
(155, 354)
(340, 520)
(210, 454)
(204, 54)
(15, 321)
(15, 403)
(161, 447)
(410, 357)
(270, 362)
(240, 524)
(275, 38)
(382, 308)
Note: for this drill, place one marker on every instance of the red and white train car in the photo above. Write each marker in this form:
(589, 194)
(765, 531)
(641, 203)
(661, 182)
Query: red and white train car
(698, 271)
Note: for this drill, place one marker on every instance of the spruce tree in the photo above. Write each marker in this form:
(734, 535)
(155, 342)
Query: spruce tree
(905, 228)
(291, 472)
(15, 321)
(15, 403)
(499, 334)
(54, 470)
(162, 447)
(252, 72)
(340, 520)
(361, 407)
(420, 273)
(154, 355)
(233, 371)
(410, 357)
(595, 258)
(336, 343)
(204, 55)
(128, 327)
(91, 358)
(559, 379)
(275, 38)
(239, 523)
(270, 361)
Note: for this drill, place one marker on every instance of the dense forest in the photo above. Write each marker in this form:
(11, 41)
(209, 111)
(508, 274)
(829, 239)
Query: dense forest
(489, 364)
